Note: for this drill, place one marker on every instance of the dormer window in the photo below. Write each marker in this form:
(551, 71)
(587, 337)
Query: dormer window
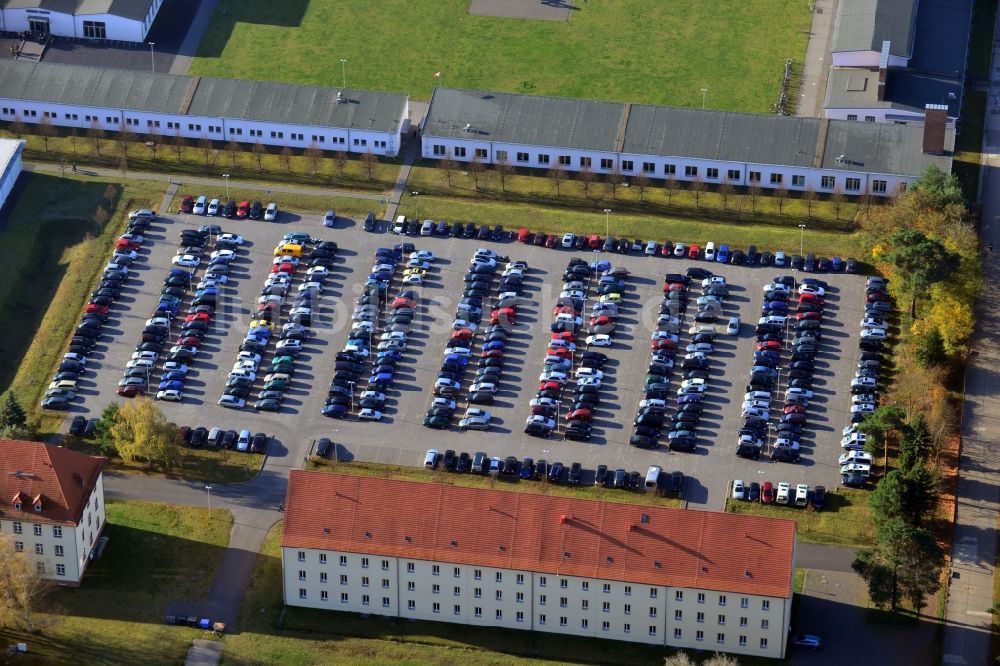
(17, 505)
(37, 502)
(38, 506)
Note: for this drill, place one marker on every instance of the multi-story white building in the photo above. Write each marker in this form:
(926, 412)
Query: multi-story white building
(10, 166)
(120, 20)
(659, 143)
(201, 107)
(691, 579)
(52, 506)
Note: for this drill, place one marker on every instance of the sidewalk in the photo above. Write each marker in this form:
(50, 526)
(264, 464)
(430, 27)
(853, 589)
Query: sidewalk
(970, 589)
(815, 68)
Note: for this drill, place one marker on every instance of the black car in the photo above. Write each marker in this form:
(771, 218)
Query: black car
(77, 426)
(259, 442)
(256, 211)
(369, 224)
(470, 231)
(230, 210)
(457, 230)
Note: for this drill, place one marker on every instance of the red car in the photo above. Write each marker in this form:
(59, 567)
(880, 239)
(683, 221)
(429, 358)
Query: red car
(811, 298)
(767, 493)
(400, 302)
(507, 315)
(667, 249)
(189, 341)
(673, 286)
(125, 244)
(523, 235)
(581, 414)
(563, 335)
(601, 320)
(769, 345)
(562, 309)
(593, 242)
(197, 316)
(283, 267)
(809, 315)
(550, 241)
(561, 352)
(187, 204)
(128, 391)
(462, 334)
(549, 386)
(795, 409)
(493, 353)
(243, 209)
(663, 344)
(95, 308)
(694, 252)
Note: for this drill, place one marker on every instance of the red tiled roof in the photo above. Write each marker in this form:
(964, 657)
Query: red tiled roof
(61, 478)
(530, 532)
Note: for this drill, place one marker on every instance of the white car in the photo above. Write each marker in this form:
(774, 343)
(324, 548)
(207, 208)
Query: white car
(812, 289)
(232, 402)
(285, 259)
(795, 390)
(705, 347)
(778, 286)
(413, 278)
(300, 311)
(272, 298)
(311, 285)
(158, 321)
(363, 325)
(733, 327)
(695, 381)
(757, 395)
(223, 254)
(318, 272)
(245, 364)
(679, 249)
(244, 373)
(169, 395)
(422, 255)
(787, 443)
(175, 366)
(601, 340)
(588, 381)
(369, 414)
(855, 456)
(393, 335)
(567, 241)
(538, 418)
(231, 238)
(773, 319)
(664, 335)
(863, 408)
(700, 328)
(147, 363)
(873, 322)
(739, 490)
(288, 345)
(783, 491)
(863, 382)
(653, 402)
(854, 440)
(756, 404)
(443, 402)
(213, 207)
(589, 372)
(249, 356)
(553, 376)
(431, 458)
(271, 213)
(714, 280)
(186, 260)
(483, 386)
(146, 355)
(564, 344)
(571, 293)
(878, 333)
(757, 412)
(444, 382)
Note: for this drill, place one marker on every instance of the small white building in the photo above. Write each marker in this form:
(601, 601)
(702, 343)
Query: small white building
(660, 143)
(52, 504)
(202, 107)
(118, 20)
(10, 166)
(665, 577)
(861, 27)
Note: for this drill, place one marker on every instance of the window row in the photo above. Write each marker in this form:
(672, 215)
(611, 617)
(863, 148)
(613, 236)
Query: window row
(57, 530)
(720, 619)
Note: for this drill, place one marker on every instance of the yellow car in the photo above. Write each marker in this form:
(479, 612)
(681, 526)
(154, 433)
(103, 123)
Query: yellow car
(415, 271)
(262, 323)
(616, 298)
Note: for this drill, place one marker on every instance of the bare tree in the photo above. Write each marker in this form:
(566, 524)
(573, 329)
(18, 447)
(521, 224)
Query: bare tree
(96, 136)
(504, 170)
(180, 143)
(586, 176)
(233, 148)
(641, 183)
(698, 187)
(476, 168)
(205, 145)
(123, 165)
(725, 191)
(670, 185)
(18, 128)
(46, 131)
(73, 136)
(340, 159)
(614, 180)
(286, 158)
(314, 155)
(754, 193)
(557, 175)
(153, 140)
(124, 140)
(449, 166)
(838, 200)
(780, 195)
(258, 154)
(809, 196)
(370, 160)
(23, 587)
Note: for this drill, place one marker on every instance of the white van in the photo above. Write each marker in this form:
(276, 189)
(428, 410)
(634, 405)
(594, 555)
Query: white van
(801, 495)
(783, 489)
(709, 251)
(652, 476)
(399, 226)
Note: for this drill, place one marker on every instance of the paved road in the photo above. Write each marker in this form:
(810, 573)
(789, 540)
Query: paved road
(974, 544)
(816, 67)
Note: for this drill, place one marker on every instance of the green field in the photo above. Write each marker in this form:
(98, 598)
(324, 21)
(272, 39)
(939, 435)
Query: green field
(844, 521)
(631, 50)
(156, 553)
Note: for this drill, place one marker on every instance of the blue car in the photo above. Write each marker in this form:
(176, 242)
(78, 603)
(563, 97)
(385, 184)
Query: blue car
(334, 411)
(175, 374)
(389, 354)
(260, 332)
(171, 384)
(774, 306)
(457, 358)
(178, 271)
(166, 306)
(496, 344)
(722, 256)
(527, 467)
(209, 291)
(601, 265)
(689, 397)
(383, 378)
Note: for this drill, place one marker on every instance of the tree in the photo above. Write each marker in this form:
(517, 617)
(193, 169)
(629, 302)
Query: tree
(12, 415)
(557, 175)
(96, 136)
(726, 190)
(838, 200)
(877, 426)
(124, 141)
(46, 131)
(915, 444)
(180, 144)
(754, 192)
(937, 189)
(340, 159)
(670, 185)
(74, 134)
(504, 170)
(102, 430)
(920, 490)
(286, 159)
(18, 128)
(928, 347)
(21, 587)
(641, 182)
(953, 318)
(586, 176)
(476, 168)
(205, 144)
(780, 194)
(314, 155)
(614, 181)
(697, 186)
(370, 160)
(809, 196)
(258, 154)
(141, 431)
(123, 165)
(233, 148)
(912, 558)
(448, 166)
(920, 261)
(153, 140)
(717, 659)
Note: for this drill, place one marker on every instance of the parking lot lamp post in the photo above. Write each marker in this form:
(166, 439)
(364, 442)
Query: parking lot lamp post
(802, 232)
(208, 490)
(343, 71)
(704, 91)
(607, 222)
(152, 61)
(226, 177)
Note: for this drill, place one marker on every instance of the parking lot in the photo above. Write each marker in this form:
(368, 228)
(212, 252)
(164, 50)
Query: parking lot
(399, 438)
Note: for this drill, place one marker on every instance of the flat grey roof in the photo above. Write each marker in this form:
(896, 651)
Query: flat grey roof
(218, 98)
(129, 9)
(856, 88)
(678, 132)
(862, 25)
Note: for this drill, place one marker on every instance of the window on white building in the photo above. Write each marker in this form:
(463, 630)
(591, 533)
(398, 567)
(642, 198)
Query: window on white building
(670, 169)
(652, 611)
(562, 602)
(798, 181)
(677, 633)
(652, 630)
(720, 638)
(477, 611)
(18, 546)
(323, 595)
(411, 586)
(365, 599)
(628, 590)
(302, 556)
(852, 184)
(385, 565)
(712, 173)
(364, 581)
(522, 157)
(628, 165)
(59, 551)
(585, 585)
(607, 163)
(519, 597)
(435, 588)
(765, 604)
(733, 174)
(678, 614)
(343, 560)
(39, 549)
(562, 622)
(584, 623)
(605, 626)
(477, 592)
(585, 604)
(607, 588)
(438, 150)
(435, 607)
(690, 171)
(37, 529)
(699, 635)
(385, 583)
(95, 30)
(585, 162)
(343, 578)
(879, 186)
(628, 609)
(764, 624)
(499, 594)
(17, 527)
(606, 606)
(722, 619)
(364, 562)
(763, 644)
(60, 569)
(302, 574)
(302, 593)
(852, 116)
(541, 581)
(827, 182)
(700, 617)
(627, 628)
(869, 119)
(565, 160)
(411, 604)
(744, 602)
(385, 602)
(322, 558)
(481, 153)
(541, 619)
(477, 574)
(436, 570)
(743, 622)
(499, 614)
(410, 567)
(541, 599)
(755, 176)
(458, 609)
(563, 583)
(648, 167)
(776, 178)
(459, 151)
(722, 600)
(743, 641)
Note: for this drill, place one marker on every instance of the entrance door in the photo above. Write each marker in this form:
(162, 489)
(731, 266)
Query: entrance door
(39, 25)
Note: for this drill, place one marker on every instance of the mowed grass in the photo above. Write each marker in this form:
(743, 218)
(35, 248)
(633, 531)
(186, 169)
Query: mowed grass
(586, 491)
(844, 521)
(636, 50)
(156, 553)
(60, 235)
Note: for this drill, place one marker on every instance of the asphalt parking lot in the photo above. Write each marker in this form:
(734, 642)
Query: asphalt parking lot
(399, 438)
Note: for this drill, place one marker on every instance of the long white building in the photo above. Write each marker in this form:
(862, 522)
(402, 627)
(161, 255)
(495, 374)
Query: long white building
(201, 107)
(687, 579)
(10, 166)
(52, 505)
(119, 20)
(659, 142)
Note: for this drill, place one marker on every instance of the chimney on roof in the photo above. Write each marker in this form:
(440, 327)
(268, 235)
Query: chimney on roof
(883, 69)
(935, 121)
(565, 518)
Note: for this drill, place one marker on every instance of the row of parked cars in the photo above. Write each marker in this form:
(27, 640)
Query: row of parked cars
(528, 469)
(783, 307)
(63, 387)
(782, 493)
(855, 463)
(710, 252)
(219, 438)
(230, 209)
(402, 227)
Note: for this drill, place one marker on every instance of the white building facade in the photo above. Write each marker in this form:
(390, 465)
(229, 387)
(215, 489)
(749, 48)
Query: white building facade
(115, 20)
(10, 166)
(627, 607)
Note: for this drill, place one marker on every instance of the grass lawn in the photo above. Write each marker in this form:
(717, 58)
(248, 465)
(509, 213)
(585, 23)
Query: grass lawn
(156, 553)
(845, 520)
(288, 203)
(672, 50)
(360, 468)
(59, 237)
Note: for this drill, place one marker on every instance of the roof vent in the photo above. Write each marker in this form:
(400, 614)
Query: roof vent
(704, 570)
(407, 539)
(326, 530)
(565, 518)
(340, 97)
(468, 127)
(657, 564)
(644, 519)
(610, 559)
(566, 553)
(747, 574)
(632, 527)
(368, 535)
(454, 544)
(503, 548)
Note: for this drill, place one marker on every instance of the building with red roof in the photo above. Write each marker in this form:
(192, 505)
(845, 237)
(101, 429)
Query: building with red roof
(679, 578)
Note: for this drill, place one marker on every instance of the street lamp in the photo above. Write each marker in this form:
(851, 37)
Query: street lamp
(607, 222)
(208, 490)
(802, 231)
(152, 62)
(226, 176)
(343, 71)
(704, 91)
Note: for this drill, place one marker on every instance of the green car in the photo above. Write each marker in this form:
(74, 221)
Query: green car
(285, 358)
(300, 237)
(276, 385)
